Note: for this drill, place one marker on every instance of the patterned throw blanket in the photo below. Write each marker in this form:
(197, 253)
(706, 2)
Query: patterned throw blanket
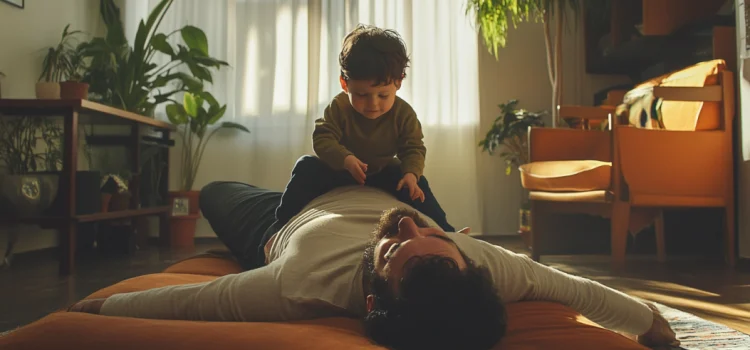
(642, 109)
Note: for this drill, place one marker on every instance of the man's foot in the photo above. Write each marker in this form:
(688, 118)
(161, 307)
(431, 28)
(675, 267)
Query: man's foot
(465, 230)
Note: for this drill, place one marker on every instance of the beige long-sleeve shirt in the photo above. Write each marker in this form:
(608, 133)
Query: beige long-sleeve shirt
(315, 271)
(342, 131)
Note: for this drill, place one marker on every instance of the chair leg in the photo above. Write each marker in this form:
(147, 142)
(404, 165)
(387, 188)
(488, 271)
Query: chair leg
(619, 231)
(661, 253)
(729, 234)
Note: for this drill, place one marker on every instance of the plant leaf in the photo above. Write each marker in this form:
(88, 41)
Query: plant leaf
(217, 115)
(195, 39)
(231, 125)
(159, 42)
(190, 104)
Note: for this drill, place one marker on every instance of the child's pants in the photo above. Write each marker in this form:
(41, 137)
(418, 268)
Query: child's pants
(312, 178)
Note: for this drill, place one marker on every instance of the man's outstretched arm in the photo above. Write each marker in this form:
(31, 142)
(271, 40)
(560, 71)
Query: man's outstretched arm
(248, 296)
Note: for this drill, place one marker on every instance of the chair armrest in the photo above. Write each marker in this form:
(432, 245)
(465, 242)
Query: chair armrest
(586, 112)
(547, 144)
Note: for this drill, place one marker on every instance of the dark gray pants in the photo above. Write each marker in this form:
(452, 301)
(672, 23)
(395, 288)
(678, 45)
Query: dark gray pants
(242, 216)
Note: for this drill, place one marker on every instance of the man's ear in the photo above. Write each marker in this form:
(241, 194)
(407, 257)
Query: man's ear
(343, 84)
(397, 83)
(370, 303)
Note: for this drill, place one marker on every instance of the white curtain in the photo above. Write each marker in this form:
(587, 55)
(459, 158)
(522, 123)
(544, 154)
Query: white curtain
(284, 70)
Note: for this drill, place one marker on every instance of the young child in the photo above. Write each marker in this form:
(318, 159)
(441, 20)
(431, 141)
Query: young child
(362, 130)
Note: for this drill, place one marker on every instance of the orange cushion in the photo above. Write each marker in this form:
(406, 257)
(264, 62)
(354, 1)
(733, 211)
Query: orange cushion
(566, 175)
(532, 325)
(689, 116)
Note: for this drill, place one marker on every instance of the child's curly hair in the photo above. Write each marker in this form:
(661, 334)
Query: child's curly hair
(372, 53)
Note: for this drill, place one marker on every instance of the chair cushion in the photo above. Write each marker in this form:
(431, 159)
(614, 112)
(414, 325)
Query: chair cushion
(531, 325)
(566, 176)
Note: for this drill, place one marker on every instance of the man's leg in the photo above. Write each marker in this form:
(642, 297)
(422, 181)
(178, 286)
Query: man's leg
(388, 180)
(240, 215)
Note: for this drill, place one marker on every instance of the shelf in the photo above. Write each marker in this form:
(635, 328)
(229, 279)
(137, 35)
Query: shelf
(123, 214)
(112, 215)
(88, 110)
(117, 140)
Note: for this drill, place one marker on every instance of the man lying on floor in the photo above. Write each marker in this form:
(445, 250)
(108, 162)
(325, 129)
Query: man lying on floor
(414, 285)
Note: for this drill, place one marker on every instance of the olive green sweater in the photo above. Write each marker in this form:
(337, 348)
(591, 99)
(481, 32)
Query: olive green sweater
(342, 131)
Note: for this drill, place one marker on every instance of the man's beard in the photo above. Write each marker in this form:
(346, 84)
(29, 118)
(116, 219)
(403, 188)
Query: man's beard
(388, 226)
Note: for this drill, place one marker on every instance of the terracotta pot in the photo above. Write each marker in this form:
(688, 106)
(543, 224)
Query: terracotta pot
(120, 201)
(192, 196)
(182, 231)
(74, 90)
(48, 91)
(106, 198)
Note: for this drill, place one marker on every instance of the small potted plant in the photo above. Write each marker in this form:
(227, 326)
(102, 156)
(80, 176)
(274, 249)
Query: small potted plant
(56, 64)
(509, 135)
(198, 113)
(73, 87)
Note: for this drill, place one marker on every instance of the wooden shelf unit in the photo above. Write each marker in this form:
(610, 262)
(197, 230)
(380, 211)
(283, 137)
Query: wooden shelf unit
(82, 112)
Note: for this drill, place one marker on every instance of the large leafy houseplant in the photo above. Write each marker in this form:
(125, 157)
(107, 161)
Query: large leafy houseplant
(494, 17)
(509, 134)
(198, 112)
(131, 77)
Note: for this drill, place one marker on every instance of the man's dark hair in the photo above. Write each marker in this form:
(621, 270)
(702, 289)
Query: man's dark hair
(372, 53)
(438, 306)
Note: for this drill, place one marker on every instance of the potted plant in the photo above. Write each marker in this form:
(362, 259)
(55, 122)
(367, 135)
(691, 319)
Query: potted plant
(30, 184)
(493, 18)
(130, 77)
(193, 118)
(73, 87)
(56, 64)
(509, 135)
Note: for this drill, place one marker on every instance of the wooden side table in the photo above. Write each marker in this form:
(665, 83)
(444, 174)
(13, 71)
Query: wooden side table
(80, 112)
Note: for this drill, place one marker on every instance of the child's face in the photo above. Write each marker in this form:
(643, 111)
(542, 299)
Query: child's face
(370, 101)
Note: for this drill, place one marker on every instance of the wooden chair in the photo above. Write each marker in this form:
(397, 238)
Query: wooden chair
(651, 170)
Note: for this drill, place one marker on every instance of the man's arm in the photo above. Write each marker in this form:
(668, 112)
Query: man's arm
(249, 296)
(411, 149)
(327, 137)
(609, 308)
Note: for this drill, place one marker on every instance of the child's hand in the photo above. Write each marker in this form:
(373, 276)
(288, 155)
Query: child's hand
(410, 180)
(356, 168)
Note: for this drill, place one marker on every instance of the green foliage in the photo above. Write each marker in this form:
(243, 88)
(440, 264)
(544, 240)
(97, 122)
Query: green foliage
(20, 139)
(509, 132)
(128, 78)
(494, 17)
(62, 59)
(198, 111)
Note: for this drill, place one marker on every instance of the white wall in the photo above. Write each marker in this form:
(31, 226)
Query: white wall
(521, 73)
(24, 33)
(743, 113)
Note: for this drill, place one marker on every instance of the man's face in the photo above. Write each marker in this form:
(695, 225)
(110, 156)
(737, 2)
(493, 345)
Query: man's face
(402, 236)
(371, 101)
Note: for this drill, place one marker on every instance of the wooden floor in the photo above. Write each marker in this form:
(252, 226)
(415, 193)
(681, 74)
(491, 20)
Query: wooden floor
(31, 288)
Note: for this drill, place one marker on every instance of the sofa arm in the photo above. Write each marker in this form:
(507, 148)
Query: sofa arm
(547, 144)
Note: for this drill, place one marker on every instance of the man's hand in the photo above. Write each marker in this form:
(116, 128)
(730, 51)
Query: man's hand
(356, 168)
(660, 333)
(410, 180)
(91, 306)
